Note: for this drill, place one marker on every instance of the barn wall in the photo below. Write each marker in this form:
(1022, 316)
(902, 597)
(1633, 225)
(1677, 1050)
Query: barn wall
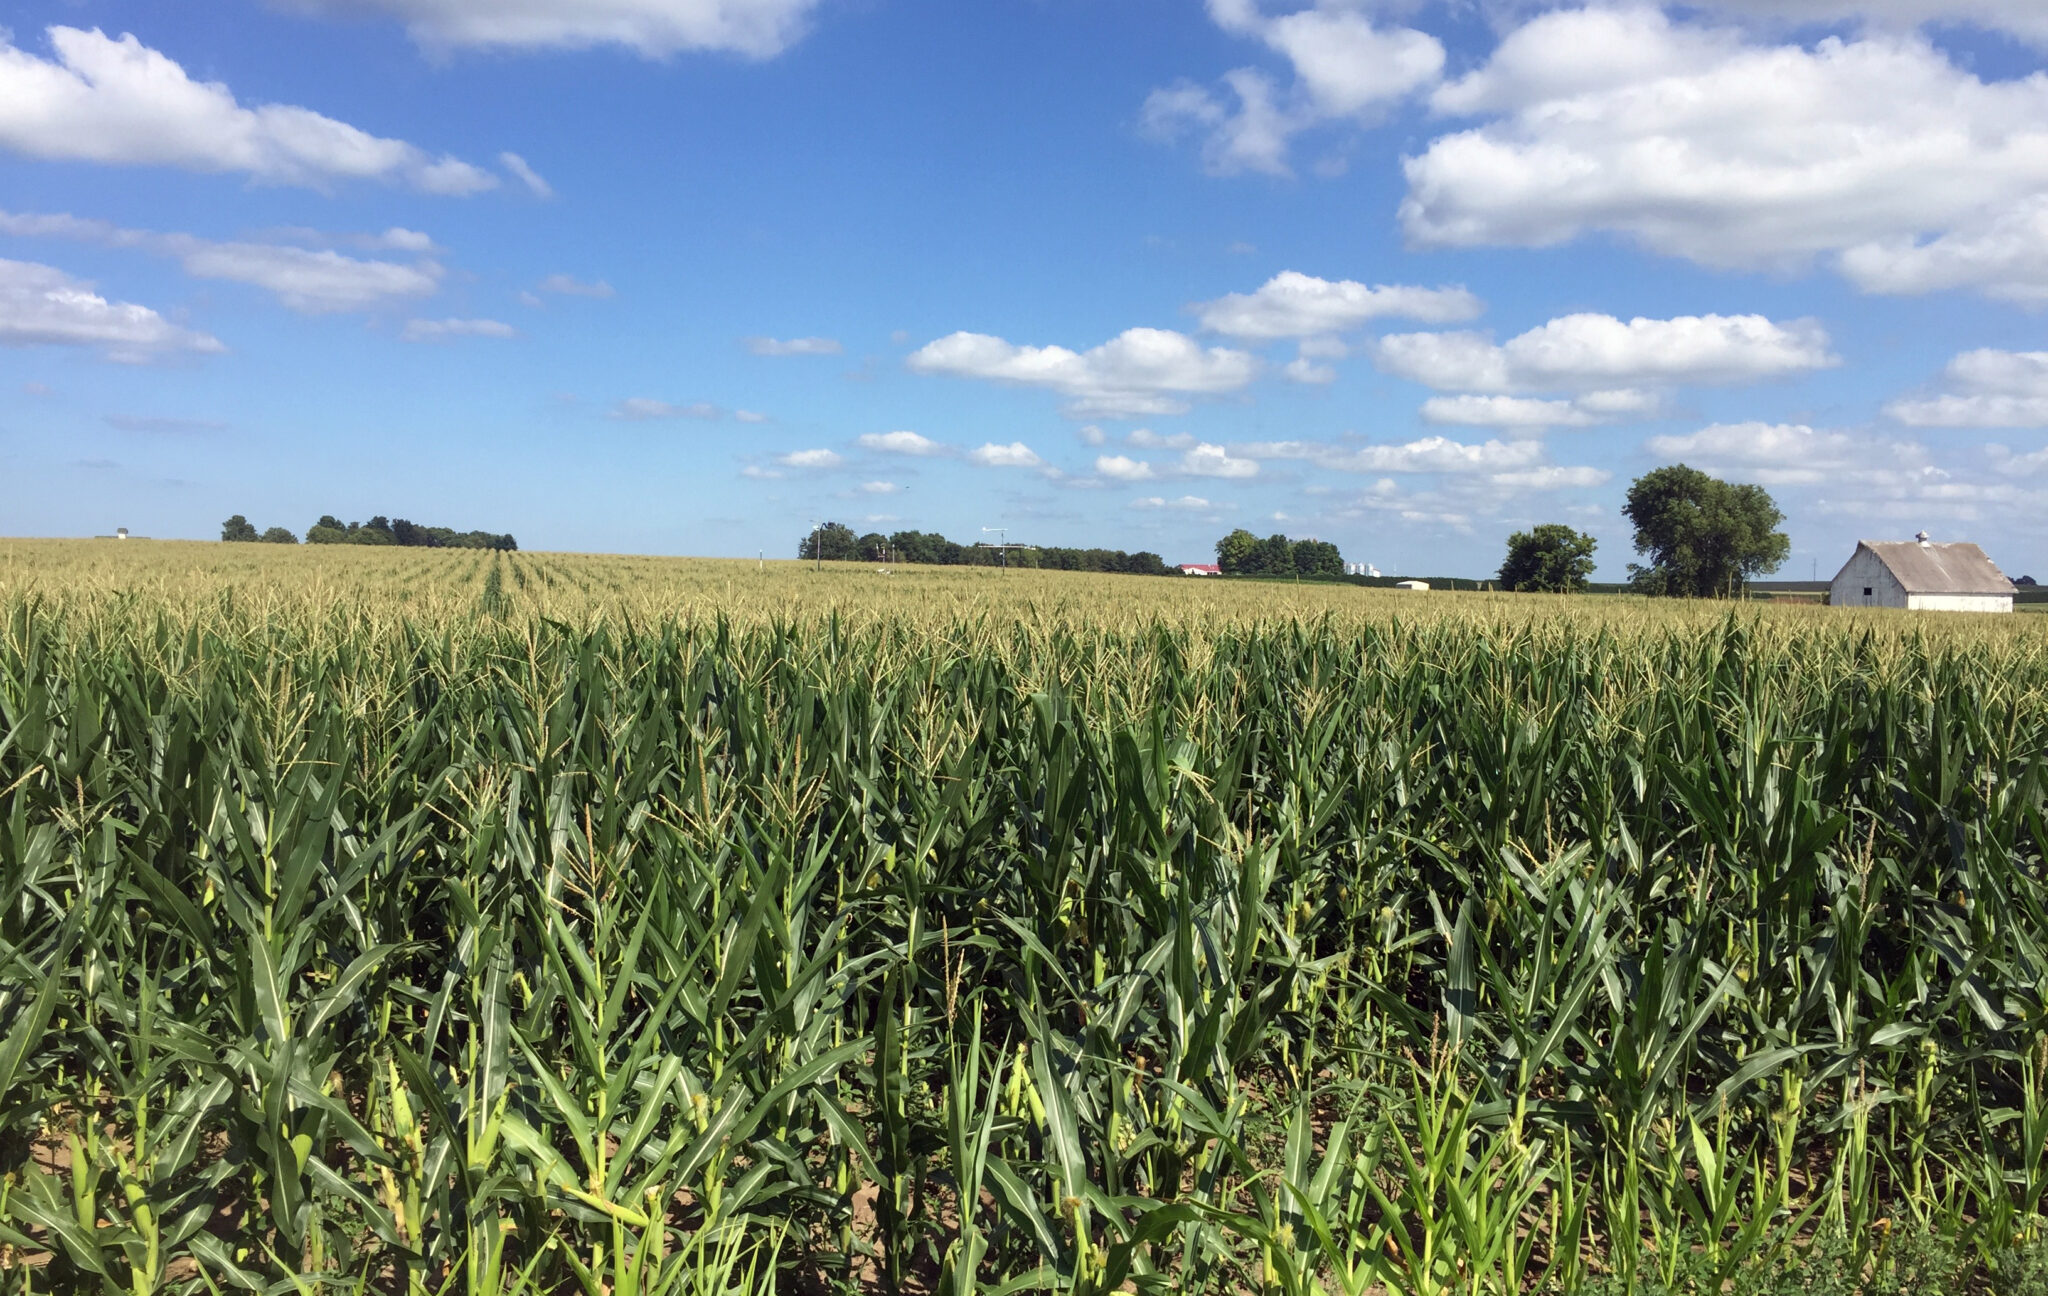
(1864, 569)
(1960, 602)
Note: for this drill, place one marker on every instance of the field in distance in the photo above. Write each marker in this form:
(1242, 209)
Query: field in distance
(421, 921)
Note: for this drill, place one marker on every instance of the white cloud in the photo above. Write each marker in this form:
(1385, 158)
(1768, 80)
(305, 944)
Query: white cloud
(313, 280)
(1696, 141)
(1999, 389)
(1123, 468)
(1596, 351)
(640, 409)
(804, 346)
(42, 306)
(425, 330)
(1794, 454)
(1505, 411)
(1141, 371)
(880, 488)
(1550, 477)
(1014, 455)
(1185, 504)
(1301, 369)
(1532, 412)
(118, 101)
(1346, 67)
(563, 285)
(903, 443)
(1296, 305)
(813, 459)
(749, 416)
(1207, 460)
(1433, 454)
(526, 175)
(1090, 434)
(654, 28)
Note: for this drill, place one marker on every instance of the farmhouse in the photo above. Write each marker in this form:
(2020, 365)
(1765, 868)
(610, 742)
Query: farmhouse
(1200, 569)
(1921, 575)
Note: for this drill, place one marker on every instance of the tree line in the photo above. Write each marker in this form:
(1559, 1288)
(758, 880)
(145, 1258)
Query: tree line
(1243, 554)
(837, 542)
(379, 530)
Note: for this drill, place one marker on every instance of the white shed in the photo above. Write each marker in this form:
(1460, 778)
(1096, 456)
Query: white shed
(1921, 575)
(1411, 585)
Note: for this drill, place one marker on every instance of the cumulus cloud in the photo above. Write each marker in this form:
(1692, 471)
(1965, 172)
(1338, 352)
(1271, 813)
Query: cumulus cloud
(42, 306)
(1432, 454)
(903, 443)
(1147, 439)
(315, 280)
(1208, 460)
(1600, 351)
(1141, 371)
(1123, 468)
(1998, 389)
(1880, 153)
(1345, 65)
(1296, 305)
(1794, 454)
(526, 175)
(803, 346)
(640, 409)
(811, 459)
(1534, 413)
(653, 28)
(1185, 504)
(1014, 455)
(108, 100)
(441, 330)
(879, 488)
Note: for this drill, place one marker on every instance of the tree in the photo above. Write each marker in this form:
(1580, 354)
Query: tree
(873, 547)
(1703, 536)
(1552, 559)
(1234, 552)
(327, 531)
(238, 529)
(278, 535)
(831, 541)
(1317, 558)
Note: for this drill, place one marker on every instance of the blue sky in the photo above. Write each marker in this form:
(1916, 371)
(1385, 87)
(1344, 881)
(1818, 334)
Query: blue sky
(679, 276)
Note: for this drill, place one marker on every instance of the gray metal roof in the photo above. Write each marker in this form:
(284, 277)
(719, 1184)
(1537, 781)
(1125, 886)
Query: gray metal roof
(1940, 568)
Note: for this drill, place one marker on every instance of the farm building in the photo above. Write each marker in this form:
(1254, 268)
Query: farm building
(1411, 585)
(1200, 569)
(1921, 575)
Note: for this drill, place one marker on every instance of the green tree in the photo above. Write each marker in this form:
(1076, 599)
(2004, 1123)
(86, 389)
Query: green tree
(1234, 552)
(278, 535)
(1551, 559)
(237, 528)
(873, 547)
(831, 541)
(1703, 536)
(1317, 558)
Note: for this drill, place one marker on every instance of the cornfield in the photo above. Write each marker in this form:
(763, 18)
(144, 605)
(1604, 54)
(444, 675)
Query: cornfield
(448, 922)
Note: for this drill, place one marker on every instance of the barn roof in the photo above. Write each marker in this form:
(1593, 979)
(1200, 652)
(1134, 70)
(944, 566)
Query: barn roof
(1939, 568)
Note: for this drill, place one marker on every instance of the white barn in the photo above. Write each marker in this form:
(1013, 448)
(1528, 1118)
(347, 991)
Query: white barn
(1921, 575)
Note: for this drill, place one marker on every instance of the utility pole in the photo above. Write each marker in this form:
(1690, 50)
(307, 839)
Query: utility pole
(1002, 544)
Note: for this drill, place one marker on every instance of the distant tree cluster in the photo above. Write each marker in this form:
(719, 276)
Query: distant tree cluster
(240, 530)
(1243, 554)
(1549, 559)
(837, 542)
(381, 530)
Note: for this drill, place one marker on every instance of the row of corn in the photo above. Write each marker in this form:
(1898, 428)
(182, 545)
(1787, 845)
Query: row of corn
(488, 954)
